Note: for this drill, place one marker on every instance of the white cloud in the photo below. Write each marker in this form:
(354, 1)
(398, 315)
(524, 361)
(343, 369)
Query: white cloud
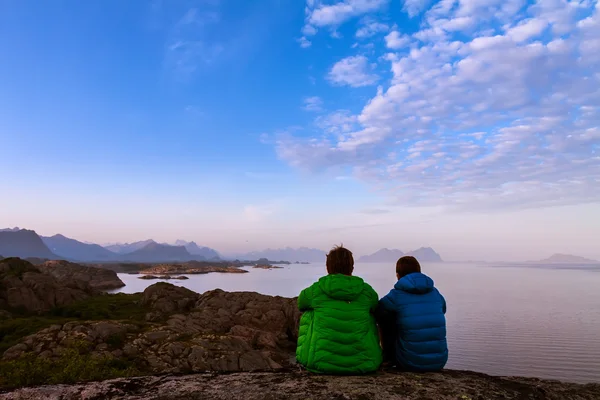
(304, 42)
(394, 40)
(340, 12)
(507, 118)
(313, 103)
(309, 30)
(415, 7)
(527, 29)
(354, 71)
(371, 29)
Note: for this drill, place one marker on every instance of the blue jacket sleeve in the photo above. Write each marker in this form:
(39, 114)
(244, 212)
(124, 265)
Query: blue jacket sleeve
(443, 303)
(387, 303)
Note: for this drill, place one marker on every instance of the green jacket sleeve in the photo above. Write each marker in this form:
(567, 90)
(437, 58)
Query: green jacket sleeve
(305, 299)
(373, 299)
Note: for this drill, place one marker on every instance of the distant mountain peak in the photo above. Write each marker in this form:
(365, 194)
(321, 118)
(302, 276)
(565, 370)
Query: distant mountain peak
(560, 258)
(382, 255)
(24, 243)
(423, 254)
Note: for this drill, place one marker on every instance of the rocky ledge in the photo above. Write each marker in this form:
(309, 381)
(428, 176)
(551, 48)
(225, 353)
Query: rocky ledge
(294, 385)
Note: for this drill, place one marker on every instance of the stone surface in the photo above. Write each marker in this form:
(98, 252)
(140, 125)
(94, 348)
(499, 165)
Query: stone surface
(96, 278)
(24, 287)
(447, 385)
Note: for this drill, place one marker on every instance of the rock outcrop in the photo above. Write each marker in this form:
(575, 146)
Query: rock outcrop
(96, 278)
(24, 287)
(187, 332)
(447, 385)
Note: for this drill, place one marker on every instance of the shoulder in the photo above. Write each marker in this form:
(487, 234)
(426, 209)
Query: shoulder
(369, 292)
(312, 290)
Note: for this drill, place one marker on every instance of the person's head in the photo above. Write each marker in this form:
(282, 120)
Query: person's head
(407, 265)
(340, 261)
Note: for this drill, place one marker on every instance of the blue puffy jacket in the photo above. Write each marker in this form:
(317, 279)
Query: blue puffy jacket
(418, 309)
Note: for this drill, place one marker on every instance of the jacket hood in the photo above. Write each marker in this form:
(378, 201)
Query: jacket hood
(416, 283)
(342, 287)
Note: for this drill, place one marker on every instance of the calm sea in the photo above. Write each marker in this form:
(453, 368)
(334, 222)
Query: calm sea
(502, 320)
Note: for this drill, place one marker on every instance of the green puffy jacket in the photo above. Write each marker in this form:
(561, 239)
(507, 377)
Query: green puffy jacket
(338, 334)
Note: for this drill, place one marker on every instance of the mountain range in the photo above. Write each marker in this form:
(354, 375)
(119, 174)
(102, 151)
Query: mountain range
(23, 243)
(423, 254)
(28, 244)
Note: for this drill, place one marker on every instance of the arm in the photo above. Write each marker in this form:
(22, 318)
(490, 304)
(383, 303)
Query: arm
(305, 299)
(443, 303)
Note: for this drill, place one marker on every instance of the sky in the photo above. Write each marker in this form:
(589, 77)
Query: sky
(471, 126)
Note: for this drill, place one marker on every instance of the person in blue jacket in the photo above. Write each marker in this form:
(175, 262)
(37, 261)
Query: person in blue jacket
(412, 321)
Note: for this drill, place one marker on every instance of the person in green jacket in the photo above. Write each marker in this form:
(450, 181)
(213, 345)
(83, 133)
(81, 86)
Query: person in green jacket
(338, 333)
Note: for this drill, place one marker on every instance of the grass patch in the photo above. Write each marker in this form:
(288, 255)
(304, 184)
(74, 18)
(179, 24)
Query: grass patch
(118, 306)
(105, 306)
(70, 367)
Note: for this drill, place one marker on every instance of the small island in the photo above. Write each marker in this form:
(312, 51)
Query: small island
(266, 266)
(166, 277)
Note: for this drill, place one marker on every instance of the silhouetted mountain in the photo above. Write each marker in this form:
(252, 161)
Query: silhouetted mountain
(75, 250)
(425, 254)
(194, 249)
(124, 248)
(567, 259)
(155, 252)
(286, 254)
(383, 255)
(24, 243)
(15, 229)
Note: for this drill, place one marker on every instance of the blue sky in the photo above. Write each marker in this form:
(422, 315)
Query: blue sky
(244, 125)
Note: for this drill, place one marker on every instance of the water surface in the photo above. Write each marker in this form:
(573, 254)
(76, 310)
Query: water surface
(502, 320)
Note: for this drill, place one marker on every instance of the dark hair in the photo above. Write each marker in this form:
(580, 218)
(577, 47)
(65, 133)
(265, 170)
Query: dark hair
(340, 261)
(407, 265)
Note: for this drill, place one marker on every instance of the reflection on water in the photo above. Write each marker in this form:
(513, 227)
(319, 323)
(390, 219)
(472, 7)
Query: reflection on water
(503, 321)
